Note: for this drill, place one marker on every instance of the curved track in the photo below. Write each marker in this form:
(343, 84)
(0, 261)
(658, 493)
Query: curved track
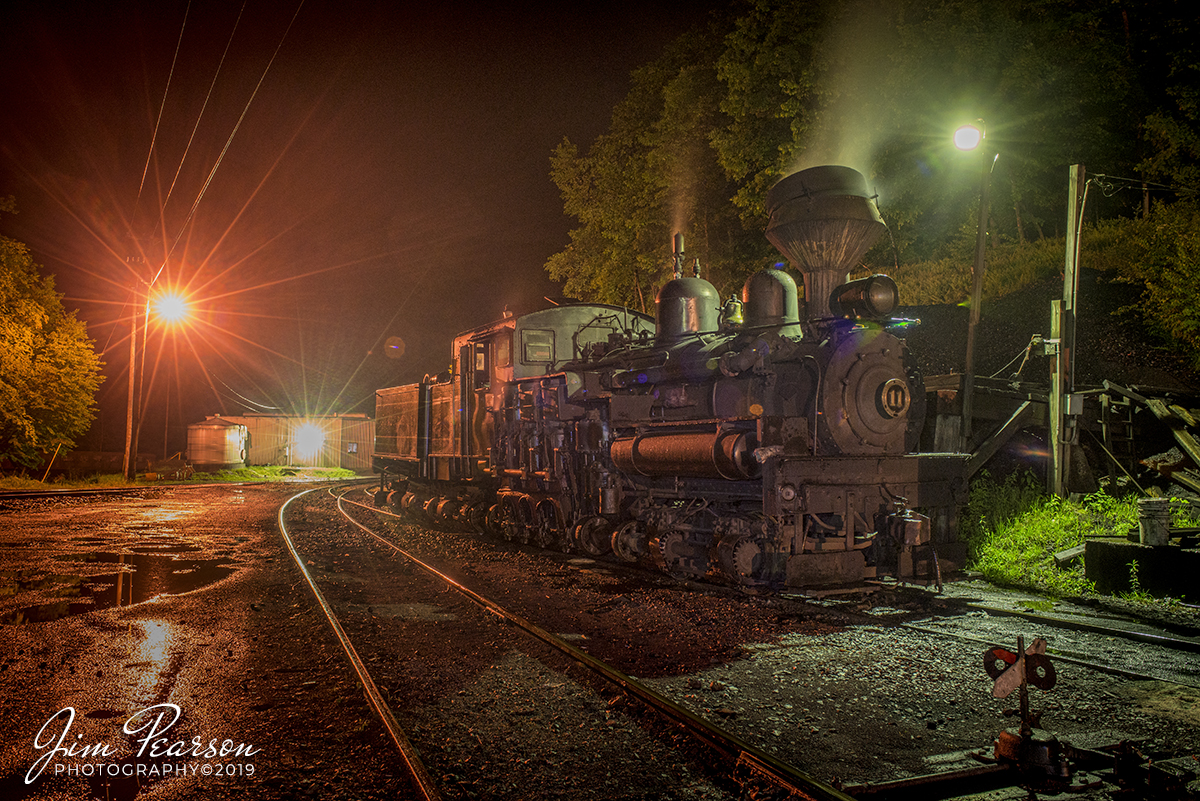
(743, 759)
(981, 622)
(421, 779)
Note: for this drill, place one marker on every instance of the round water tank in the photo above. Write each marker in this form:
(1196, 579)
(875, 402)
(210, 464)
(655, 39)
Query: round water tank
(217, 444)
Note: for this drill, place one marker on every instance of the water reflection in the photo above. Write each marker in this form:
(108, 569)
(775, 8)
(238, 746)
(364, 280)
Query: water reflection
(151, 656)
(139, 577)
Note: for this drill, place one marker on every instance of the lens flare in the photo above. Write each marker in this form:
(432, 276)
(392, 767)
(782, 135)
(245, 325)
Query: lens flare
(309, 441)
(170, 308)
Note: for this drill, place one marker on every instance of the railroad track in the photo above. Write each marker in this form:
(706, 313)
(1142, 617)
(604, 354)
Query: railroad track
(972, 623)
(743, 762)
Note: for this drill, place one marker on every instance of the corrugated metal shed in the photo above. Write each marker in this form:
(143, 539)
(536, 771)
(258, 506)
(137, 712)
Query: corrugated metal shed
(338, 440)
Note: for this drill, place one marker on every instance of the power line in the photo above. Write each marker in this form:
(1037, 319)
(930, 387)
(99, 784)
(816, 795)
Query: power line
(158, 122)
(233, 133)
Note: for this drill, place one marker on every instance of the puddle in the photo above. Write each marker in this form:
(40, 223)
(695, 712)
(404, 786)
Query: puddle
(411, 611)
(165, 547)
(141, 577)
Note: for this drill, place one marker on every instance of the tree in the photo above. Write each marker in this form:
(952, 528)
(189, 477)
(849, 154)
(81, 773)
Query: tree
(49, 370)
(1166, 261)
(878, 85)
(653, 174)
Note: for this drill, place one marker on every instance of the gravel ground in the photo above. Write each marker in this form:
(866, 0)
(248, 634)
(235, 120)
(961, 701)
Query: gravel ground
(836, 688)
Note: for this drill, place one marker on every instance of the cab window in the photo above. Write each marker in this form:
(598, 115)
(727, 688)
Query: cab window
(537, 346)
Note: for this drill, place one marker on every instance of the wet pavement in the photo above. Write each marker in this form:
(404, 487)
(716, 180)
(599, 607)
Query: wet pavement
(156, 647)
(161, 646)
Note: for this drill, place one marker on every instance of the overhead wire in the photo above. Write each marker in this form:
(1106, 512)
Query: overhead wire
(233, 133)
(162, 106)
(208, 96)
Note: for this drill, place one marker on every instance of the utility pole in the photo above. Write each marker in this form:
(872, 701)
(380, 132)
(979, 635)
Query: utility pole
(129, 462)
(1062, 329)
(978, 268)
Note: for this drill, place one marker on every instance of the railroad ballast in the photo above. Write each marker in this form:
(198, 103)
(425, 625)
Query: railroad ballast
(765, 442)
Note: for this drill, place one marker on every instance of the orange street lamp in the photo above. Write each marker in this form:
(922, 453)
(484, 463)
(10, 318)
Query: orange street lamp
(170, 307)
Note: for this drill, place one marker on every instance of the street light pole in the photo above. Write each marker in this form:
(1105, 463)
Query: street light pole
(969, 137)
(127, 464)
(170, 308)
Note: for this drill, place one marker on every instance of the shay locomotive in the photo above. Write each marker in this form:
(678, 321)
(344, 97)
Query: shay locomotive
(741, 442)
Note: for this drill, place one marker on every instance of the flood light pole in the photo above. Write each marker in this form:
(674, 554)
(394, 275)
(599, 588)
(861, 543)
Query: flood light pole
(970, 137)
(170, 308)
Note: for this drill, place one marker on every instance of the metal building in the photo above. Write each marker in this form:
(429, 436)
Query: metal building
(337, 440)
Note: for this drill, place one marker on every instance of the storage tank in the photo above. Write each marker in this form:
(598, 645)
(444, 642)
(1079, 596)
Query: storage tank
(217, 444)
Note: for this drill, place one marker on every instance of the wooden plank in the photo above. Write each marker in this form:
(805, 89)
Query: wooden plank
(1184, 415)
(1002, 435)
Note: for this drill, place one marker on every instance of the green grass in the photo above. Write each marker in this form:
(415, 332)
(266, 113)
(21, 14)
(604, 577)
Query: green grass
(244, 474)
(16, 483)
(276, 473)
(1013, 529)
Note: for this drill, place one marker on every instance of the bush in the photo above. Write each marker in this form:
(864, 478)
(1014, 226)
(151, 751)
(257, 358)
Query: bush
(1167, 265)
(993, 504)
(1013, 530)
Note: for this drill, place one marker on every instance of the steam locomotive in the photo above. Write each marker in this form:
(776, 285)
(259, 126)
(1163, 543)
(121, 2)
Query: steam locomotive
(741, 442)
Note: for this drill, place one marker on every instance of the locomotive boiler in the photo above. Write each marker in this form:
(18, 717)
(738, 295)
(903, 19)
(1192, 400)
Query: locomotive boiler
(767, 442)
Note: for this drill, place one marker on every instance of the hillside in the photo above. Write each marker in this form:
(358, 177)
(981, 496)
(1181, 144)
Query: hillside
(1110, 345)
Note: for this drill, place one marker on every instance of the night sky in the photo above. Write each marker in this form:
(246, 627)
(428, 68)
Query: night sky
(323, 176)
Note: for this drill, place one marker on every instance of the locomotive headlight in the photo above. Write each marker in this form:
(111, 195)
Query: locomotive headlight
(873, 297)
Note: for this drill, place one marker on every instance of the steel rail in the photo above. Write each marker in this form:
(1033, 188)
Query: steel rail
(744, 754)
(1190, 644)
(412, 759)
(1058, 655)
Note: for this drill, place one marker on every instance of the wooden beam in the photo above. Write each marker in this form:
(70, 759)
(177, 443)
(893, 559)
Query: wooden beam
(1003, 434)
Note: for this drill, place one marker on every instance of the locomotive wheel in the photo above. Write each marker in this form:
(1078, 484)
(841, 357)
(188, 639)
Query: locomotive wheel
(594, 536)
(429, 510)
(547, 529)
(494, 521)
(381, 498)
(477, 518)
(743, 560)
(675, 554)
(629, 541)
(513, 524)
(523, 532)
(445, 513)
